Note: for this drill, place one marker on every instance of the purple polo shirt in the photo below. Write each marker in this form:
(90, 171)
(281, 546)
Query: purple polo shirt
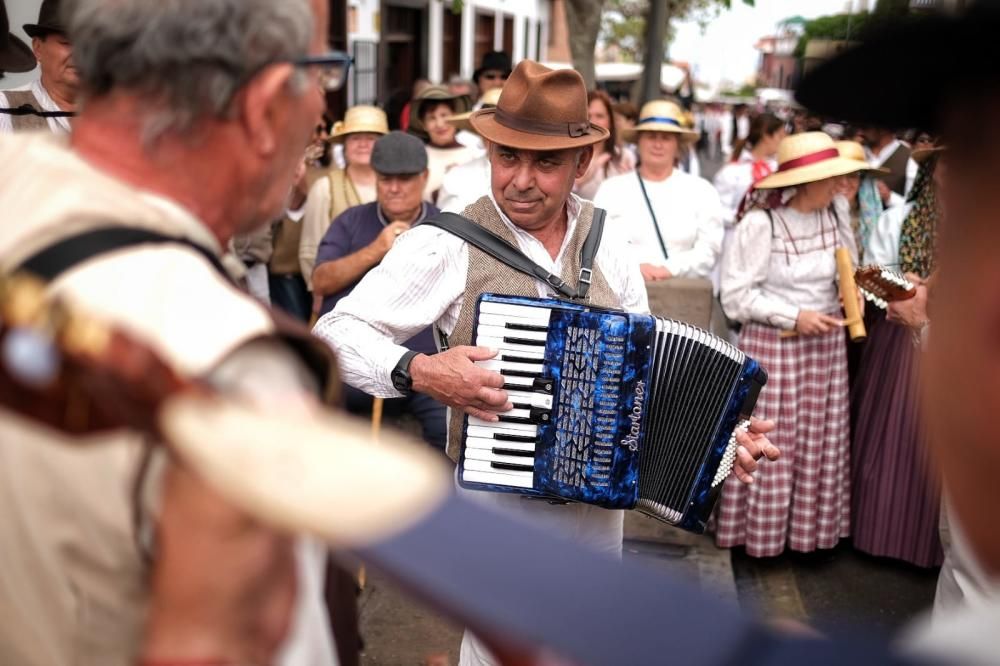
(352, 230)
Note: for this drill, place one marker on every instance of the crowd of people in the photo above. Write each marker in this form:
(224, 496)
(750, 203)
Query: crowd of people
(526, 153)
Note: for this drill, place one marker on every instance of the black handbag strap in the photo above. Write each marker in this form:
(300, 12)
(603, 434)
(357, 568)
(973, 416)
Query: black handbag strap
(50, 262)
(507, 254)
(649, 207)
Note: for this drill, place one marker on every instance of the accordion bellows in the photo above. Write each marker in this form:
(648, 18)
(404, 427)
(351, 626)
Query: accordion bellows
(618, 410)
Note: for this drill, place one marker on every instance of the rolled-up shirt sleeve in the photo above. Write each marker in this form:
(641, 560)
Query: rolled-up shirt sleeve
(745, 266)
(414, 285)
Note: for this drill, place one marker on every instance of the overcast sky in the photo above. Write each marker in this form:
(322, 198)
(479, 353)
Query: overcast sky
(724, 51)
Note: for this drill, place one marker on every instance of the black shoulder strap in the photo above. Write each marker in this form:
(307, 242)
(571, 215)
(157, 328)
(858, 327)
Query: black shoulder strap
(28, 110)
(52, 261)
(509, 255)
(652, 214)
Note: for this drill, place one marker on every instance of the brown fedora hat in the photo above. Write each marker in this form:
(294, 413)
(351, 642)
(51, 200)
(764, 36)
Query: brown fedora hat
(540, 109)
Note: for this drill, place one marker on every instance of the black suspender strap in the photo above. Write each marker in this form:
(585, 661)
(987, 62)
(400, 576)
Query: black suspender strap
(52, 261)
(652, 214)
(589, 252)
(511, 256)
(28, 110)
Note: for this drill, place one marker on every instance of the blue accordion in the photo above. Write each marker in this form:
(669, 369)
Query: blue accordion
(619, 410)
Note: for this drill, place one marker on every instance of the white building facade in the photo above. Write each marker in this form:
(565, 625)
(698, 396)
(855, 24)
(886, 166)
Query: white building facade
(395, 42)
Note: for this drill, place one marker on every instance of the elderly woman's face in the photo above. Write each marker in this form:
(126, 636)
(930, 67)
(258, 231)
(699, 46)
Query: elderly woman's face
(819, 194)
(435, 117)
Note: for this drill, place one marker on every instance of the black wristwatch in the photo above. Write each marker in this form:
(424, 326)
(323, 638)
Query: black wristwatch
(401, 379)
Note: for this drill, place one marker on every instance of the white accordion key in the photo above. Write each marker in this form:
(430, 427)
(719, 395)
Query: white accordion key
(729, 457)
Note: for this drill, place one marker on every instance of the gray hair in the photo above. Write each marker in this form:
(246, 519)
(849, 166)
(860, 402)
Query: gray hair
(186, 58)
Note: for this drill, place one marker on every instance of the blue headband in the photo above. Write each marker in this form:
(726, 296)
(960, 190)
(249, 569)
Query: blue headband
(659, 119)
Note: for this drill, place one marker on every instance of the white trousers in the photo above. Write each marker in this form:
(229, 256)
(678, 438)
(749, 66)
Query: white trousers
(596, 528)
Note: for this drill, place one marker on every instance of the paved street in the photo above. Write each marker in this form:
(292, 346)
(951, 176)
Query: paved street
(829, 591)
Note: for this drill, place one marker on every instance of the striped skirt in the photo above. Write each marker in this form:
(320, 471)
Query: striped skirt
(896, 493)
(802, 500)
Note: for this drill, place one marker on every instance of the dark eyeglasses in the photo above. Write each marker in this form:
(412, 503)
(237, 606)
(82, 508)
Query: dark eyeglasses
(493, 76)
(333, 68)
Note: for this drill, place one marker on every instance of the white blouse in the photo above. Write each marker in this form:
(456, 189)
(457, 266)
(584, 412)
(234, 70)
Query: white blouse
(883, 245)
(688, 215)
(440, 160)
(732, 182)
(773, 269)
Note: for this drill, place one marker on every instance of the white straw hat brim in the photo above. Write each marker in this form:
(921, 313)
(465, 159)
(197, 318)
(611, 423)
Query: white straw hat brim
(632, 135)
(835, 166)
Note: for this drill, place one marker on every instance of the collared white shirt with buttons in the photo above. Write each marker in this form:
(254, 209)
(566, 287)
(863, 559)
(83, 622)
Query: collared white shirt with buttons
(421, 281)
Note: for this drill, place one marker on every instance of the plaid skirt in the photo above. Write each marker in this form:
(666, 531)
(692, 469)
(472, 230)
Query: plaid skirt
(802, 499)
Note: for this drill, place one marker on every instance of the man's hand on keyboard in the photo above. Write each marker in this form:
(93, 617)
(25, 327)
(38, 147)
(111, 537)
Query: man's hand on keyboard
(452, 377)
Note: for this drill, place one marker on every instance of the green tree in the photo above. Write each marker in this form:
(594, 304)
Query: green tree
(841, 27)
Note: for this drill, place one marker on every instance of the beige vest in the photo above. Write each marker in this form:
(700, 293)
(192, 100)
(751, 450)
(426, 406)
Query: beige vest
(73, 583)
(487, 275)
(16, 98)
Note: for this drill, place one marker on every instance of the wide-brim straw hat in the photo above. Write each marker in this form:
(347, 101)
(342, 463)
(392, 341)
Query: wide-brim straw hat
(15, 55)
(853, 150)
(458, 103)
(359, 119)
(487, 101)
(807, 158)
(660, 115)
(540, 109)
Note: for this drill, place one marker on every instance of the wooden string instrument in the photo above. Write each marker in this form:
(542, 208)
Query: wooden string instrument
(881, 285)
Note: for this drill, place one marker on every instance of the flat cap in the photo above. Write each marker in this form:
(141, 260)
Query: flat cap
(398, 153)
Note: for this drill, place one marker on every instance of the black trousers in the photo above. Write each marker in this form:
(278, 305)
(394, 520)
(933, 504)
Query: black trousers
(289, 293)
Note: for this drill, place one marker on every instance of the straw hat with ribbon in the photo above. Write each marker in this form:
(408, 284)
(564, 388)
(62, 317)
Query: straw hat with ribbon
(660, 115)
(806, 158)
(15, 55)
(853, 150)
(458, 103)
(540, 109)
(360, 119)
(487, 101)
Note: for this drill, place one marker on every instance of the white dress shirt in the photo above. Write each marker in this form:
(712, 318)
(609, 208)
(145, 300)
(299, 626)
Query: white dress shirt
(464, 185)
(883, 244)
(877, 159)
(421, 281)
(688, 214)
(57, 125)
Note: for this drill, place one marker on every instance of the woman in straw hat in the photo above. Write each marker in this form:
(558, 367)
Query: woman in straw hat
(429, 114)
(466, 183)
(342, 188)
(896, 494)
(671, 219)
(779, 274)
(863, 195)
(609, 159)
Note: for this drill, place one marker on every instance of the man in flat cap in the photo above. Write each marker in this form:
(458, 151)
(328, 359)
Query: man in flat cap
(48, 102)
(540, 141)
(357, 241)
(888, 78)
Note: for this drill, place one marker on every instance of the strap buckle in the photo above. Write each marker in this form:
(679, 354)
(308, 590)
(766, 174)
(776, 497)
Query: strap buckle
(555, 281)
(586, 275)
